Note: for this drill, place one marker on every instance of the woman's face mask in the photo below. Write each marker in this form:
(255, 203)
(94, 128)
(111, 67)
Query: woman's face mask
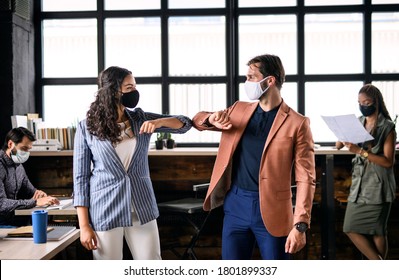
(19, 156)
(254, 90)
(367, 110)
(130, 99)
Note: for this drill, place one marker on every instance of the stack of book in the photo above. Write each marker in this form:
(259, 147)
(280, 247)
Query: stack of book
(46, 145)
(48, 139)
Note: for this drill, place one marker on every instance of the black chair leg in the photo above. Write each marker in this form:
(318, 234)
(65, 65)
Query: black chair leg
(190, 248)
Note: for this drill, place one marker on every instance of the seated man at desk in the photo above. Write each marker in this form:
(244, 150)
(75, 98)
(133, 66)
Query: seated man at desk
(16, 191)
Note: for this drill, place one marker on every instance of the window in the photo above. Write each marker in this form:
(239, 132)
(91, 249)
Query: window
(190, 56)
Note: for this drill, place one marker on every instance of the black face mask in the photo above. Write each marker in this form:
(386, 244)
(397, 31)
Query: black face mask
(367, 110)
(130, 99)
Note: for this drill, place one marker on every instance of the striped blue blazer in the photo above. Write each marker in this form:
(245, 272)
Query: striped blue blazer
(102, 184)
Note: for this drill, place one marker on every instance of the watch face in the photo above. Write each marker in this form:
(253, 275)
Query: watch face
(301, 227)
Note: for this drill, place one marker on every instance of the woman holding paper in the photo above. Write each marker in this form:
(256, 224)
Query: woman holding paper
(373, 182)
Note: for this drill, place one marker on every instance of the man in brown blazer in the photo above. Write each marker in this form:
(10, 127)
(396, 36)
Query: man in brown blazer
(262, 144)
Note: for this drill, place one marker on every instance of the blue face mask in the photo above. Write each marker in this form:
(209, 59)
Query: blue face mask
(19, 156)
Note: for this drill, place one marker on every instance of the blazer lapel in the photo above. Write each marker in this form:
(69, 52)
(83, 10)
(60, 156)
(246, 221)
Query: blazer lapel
(281, 116)
(111, 153)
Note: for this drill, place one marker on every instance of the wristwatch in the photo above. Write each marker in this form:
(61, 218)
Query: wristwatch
(301, 226)
(364, 153)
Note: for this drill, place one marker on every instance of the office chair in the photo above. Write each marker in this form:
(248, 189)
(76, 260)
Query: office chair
(190, 209)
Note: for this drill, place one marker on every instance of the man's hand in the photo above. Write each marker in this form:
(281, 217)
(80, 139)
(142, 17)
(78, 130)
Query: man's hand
(220, 119)
(39, 194)
(295, 241)
(47, 201)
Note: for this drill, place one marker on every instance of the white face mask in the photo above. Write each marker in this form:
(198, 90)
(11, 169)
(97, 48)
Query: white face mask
(20, 156)
(254, 90)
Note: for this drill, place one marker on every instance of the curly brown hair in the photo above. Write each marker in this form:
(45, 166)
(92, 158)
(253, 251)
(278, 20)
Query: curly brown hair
(103, 113)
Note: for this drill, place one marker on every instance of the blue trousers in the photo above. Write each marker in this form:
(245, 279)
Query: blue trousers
(243, 227)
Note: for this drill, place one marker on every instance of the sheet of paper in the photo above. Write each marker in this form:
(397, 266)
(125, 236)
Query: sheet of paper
(64, 203)
(347, 128)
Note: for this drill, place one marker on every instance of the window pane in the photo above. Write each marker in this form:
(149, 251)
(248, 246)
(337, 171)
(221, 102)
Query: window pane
(66, 105)
(329, 99)
(385, 42)
(333, 43)
(150, 98)
(268, 34)
(289, 92)
(389, 91)
(70, 48)
(190, 4)
(189, 99)
(69, 5)
(266, 3)
(197, 46)
(332, 2)
(384, 1)
(132, 4)
(135, 44)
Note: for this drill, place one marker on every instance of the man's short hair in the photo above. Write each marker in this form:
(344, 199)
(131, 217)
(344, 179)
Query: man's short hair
(270, 65)
(17, 134)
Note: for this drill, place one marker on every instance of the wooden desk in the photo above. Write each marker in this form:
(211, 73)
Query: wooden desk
(68, 211)
(27, 250)
(184, 166)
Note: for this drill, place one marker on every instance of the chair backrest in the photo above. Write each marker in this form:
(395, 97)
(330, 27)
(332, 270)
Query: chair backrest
(200, 188)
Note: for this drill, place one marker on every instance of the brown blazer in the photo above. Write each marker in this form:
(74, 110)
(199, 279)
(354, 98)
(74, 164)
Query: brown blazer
(289, 148)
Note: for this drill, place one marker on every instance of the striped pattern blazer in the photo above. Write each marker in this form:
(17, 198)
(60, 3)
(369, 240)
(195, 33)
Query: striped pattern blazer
(101, 182)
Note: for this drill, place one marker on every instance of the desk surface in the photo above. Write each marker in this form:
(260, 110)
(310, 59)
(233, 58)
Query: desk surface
(70, 210)
(27, 250)
(191, 151)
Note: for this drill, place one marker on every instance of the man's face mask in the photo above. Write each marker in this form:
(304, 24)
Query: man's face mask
(367, 110)
(19, 156)
(130, 99)
(254, 90)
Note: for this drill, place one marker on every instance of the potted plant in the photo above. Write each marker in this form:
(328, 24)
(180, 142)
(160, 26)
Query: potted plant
(170, 143)
(159, 141)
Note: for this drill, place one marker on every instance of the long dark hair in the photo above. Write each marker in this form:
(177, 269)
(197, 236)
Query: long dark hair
(103, 113)
(375, 94)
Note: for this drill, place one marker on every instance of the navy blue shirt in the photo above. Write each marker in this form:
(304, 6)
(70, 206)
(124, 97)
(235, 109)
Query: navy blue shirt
(246, 159)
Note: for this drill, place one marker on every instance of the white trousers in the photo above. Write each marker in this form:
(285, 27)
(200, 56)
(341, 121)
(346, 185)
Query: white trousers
(143, 242)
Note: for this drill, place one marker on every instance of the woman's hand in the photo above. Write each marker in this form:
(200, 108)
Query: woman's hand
(169, 122)
(88, 238)
(339, 145)
(353, 148)
(150, 126)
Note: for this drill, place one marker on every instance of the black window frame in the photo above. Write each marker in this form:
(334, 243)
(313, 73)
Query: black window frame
(232, 79)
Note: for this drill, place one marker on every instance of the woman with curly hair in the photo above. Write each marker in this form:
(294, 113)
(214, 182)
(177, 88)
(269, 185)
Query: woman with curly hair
(373, 182)
(113, 193)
